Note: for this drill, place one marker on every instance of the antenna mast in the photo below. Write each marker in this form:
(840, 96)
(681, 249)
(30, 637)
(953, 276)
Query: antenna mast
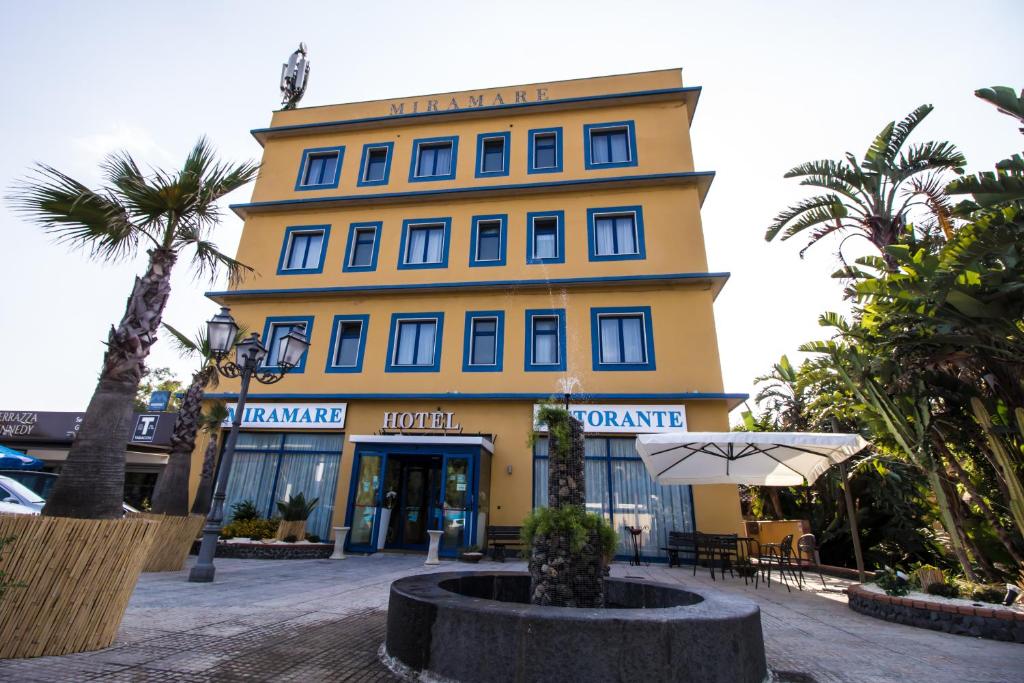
(294, 77)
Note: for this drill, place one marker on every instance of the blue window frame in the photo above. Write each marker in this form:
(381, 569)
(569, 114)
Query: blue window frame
(483, 341)
(544, 153)
(622, 338)
(362, 247)
(616, 233)
(545, 340)
(434, 159)
(303, 250)
(348, 343)
(609, 145)
(545, 237)
(375, 164)
(320, 168)
(492, 150)
(424, 243)
(488, 240)
(414, 342)
(276, 328)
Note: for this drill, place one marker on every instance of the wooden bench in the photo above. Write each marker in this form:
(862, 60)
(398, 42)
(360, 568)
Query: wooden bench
(501, 537)
(680, 542)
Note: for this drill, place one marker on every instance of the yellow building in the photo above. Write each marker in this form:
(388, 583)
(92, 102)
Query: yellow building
(456, 259)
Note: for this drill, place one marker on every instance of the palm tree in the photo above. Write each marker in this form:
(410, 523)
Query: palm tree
(211, 422)
(872, 198)
(170, 496)
(168, 212)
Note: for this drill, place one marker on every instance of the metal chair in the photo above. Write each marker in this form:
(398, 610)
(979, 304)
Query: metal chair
(808, 545)
(747, 550)
(779, 555)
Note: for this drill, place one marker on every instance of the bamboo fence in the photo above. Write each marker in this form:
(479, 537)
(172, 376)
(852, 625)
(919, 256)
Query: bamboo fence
(295, 528)
(78, 575)
(173, 542)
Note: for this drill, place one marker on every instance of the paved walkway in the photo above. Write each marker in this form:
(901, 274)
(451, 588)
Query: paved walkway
(322, 620)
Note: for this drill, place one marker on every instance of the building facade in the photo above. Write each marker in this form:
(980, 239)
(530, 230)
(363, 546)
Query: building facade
(455, 260)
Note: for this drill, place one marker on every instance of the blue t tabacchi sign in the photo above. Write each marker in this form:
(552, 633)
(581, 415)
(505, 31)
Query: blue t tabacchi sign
(293, 415)
(630, 419)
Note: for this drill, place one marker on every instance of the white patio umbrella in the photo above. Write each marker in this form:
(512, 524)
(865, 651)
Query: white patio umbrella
(752, 458)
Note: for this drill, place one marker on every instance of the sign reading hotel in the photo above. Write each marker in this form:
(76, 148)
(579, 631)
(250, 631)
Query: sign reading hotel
(631, 419)
(291, 415)
(435, 420)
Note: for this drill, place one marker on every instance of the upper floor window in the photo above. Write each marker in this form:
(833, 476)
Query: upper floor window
(545, 339)
(277, 328)
(622, 338)
(414, 343)
(363, 246)
(616, 233)
(545, 235)
(434, 159)
(320, 168)
(545, 152)
(348, 342)
(487, 244)
(482, 351)
(425, 243)
(303, 250)
(492, 154)
(610, 145)
(375, 167)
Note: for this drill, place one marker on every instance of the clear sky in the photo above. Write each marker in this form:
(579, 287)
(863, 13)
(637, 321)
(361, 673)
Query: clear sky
(784, 82)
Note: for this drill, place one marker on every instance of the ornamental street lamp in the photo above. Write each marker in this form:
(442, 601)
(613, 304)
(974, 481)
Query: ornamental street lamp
(249, 356)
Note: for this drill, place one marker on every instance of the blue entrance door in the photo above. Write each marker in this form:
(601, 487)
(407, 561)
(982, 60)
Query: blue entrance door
(458, 517)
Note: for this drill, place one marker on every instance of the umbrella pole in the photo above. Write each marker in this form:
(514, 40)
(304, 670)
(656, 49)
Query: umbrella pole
(851, 513)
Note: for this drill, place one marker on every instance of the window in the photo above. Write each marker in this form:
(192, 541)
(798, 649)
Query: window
(483, 343)
(414, 342)
(492, 154)
(545, 339)
(363, 246)
(487, 244)
(616, 233)
(545, 151)
(347, 343)
(622, 339)
(320, 168)
(375, 166)
(425, 243)
(303, 250)
(545, 236)
(434, 159)
(276, 330)
(610, 145)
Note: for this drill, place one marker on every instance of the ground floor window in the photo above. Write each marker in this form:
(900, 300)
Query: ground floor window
(271, 466)
(619, 487)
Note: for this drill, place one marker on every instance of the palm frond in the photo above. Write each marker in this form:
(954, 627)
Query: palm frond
(186, 346)
(928, 156)
(876, 153)
(208, 261)
(826, 202)
(904, 128)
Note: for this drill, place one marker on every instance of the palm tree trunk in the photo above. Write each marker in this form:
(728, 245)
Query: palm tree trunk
(204, 494)
(956, 533)
(170, 496)
(773, 496)
(91, 485)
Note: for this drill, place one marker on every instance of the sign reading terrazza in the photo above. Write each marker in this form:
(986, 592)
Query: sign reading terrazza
(462, 101)
(632, 419)
(291, 415)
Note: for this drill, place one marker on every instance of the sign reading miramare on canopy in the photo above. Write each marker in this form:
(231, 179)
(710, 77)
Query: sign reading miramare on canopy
(631, 419)
(291, 416)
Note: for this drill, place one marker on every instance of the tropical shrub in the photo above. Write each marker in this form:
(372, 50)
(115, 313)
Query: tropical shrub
(312, 538)
(891, 581)
(576, 523)
(991, 593)
(255, 529)
(296, 508)
(244, 511)
(945, 590)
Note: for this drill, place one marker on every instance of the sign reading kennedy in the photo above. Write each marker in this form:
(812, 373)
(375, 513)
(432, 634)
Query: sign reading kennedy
(631, 419)
(291, 415)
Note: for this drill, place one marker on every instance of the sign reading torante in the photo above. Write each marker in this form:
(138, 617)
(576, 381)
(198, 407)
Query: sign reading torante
(629, 419)
(429, 420)
(453, 103)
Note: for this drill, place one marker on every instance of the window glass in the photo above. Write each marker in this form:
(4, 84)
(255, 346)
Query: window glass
(346, 354)
(609, 146)
(415, 345)
(488, 241)
(376, 164)
(304, 250)
(434, 160)
(616, 235)
(545, 341)
(545, 238)
(278, 331)
(493, 155)
(622, 339)
(320, 169)
(362, 247)
(544, 154)
(484, 339)
(426, 244)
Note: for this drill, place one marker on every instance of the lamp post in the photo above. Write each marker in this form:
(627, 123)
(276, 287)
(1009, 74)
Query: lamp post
(248, 363)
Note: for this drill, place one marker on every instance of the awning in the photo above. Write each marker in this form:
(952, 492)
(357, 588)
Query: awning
(753, 458)
(429, 439)
(11, 459)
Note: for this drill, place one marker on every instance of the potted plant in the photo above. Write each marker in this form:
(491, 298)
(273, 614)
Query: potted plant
(385, 518)
(294, 513)
(470, 554)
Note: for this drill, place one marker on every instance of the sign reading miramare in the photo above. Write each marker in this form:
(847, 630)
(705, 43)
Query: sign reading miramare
(632, 419)
(291, 415)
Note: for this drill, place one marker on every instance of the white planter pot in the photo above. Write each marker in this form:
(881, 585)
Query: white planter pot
(382, 530)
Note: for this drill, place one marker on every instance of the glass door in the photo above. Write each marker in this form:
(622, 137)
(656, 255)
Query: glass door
(457, 504)
(414, 508)
(366, 502)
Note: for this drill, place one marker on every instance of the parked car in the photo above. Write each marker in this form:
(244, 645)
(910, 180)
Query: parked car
(16, 509)
(37, 485)
(16, 493)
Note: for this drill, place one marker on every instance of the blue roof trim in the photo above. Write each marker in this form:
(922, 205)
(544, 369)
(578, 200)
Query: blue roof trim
(240, 209)
(474, 283)
(257, 132)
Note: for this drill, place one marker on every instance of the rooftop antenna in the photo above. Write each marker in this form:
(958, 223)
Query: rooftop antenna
(294, 77)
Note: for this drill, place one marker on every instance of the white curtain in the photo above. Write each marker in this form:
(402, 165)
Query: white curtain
(605, 236)
(435, 244)
(633, 340)
(545, 341)
(545, 244)
(443, 165)
(425, 348)
(611, 352)
(599, 148)
(625, 234)
(406, 344)
(417, 245)
(620, 148)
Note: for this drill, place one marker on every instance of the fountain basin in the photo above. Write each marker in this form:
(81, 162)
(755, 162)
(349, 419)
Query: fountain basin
(478, 626)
